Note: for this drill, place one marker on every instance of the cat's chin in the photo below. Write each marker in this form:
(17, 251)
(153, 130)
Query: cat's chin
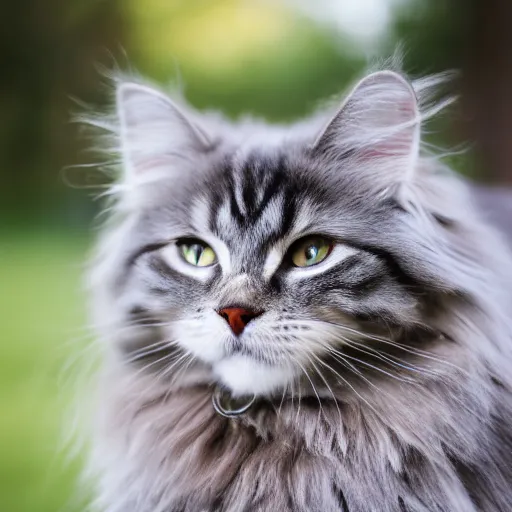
(243, 375)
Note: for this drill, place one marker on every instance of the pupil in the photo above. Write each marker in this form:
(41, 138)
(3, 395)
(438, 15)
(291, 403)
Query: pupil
(196, 251)
(311, 252)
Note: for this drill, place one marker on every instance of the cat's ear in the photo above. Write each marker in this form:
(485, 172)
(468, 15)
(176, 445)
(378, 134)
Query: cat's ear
(155, 133)
(378, 124)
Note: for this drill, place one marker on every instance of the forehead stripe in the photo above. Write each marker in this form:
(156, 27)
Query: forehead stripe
(257, 195)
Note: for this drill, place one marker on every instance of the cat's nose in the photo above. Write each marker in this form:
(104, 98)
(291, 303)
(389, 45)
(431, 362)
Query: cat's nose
(238, 318)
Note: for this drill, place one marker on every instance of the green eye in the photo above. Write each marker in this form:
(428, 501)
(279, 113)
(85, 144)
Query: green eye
(197, 253)
(310, 251)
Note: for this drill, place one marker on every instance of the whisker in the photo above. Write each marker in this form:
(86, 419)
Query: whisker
(186, 364)
(339, 357)
(387, 358)
(299, 400)
(153, 363)
(154, 348)
(423, 354)
(359, 373)
(476, 414)
(376, 368)
(416, 351)
(325, 382)
(184, 368)
(166, 371)
(403, 379)
(313, 386)
(386, 340)
(351, 387)
(292, 386)
(129, 324)
(144, 368)
(282, 400)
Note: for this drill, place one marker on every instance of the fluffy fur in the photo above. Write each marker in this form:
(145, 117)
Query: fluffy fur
(382, 374)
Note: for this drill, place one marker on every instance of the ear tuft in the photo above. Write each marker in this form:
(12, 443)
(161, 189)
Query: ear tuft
(155, 133)
(379, 122)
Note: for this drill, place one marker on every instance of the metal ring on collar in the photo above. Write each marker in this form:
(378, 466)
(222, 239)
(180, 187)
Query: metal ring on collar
(228, 406)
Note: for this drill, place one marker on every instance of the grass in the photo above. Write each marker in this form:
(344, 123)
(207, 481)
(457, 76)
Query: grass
(41, 311)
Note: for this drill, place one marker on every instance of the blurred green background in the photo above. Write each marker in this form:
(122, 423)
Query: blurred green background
(276, 59)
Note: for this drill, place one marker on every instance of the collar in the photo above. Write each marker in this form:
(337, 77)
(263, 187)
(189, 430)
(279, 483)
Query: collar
(229, 406)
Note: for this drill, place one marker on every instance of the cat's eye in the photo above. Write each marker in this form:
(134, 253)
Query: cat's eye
(197, 253)
(310, 251)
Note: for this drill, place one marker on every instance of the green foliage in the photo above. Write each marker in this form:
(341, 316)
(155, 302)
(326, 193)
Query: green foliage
(242, 58)
(41, 314)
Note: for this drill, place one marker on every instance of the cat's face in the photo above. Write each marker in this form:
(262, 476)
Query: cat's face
(262, 264)
(261, 237)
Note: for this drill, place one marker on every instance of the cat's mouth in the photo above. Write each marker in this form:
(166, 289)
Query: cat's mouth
(239, 347)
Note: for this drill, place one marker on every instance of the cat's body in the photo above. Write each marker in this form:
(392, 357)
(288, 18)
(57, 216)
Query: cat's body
(382, 372)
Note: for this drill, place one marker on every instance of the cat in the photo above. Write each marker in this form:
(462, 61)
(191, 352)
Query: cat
(307, 318)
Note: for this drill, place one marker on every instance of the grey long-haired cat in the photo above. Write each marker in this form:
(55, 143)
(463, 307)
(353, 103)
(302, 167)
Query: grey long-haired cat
(299, 318)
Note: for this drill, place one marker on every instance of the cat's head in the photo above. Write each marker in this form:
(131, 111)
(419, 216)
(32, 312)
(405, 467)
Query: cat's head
(263, 252)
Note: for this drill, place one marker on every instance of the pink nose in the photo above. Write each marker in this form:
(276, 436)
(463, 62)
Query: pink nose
(237, 318)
